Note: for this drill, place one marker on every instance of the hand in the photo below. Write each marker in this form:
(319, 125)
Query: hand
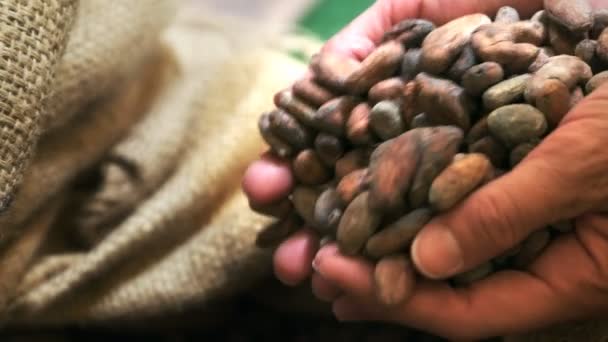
(565, 177)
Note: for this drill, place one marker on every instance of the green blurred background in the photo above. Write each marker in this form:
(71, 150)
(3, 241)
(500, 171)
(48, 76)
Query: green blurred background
(329, 16)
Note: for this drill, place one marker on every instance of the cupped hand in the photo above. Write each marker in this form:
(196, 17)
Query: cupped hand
(565, 177)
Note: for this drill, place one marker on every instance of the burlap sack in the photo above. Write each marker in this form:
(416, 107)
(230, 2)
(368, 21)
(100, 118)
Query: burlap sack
(127, 126)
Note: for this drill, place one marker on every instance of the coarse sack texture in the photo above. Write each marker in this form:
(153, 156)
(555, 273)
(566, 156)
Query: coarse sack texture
(127, 126)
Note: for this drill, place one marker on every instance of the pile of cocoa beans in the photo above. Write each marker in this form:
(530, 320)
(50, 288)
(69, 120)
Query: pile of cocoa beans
(379, 147)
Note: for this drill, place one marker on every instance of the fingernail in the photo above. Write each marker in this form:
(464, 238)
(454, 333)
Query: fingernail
(324, 251)
(436, 253)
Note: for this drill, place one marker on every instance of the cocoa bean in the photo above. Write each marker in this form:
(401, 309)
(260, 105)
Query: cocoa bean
(385, 120)
(329, 148)
(353, 160)
(465, 62)
(382, 63)
(577, 96)
(507, 15)
(602, 46)
(410, 32)
(554, 101)
(358, 129)
(390, 89)
(596, 82)
(520, 152)
(332, 69)
(311, 92)
(543, 57)
(438, 145)
(458, 180)
(352, 185)
(492, 149)
(278, 146)
(410, 66)
(600, 22)
(570, 70)
(585, 50)
(328, 211)
(478, 131)
(540, 16)
(506, 92)
(473, 275)
(332, 116)
(409, 103)
(288, 129)
(420, 121)
(304, 200)
(562, 41)
(516, 124)
(358, 223)
(444, 102)
(279, 209)
(392, 169)
(532, 248)
(287, 101)
(308, 168)
(479, 78)
(399, 235)
(394, 280)
(528, 31)
(574, 15)
(277, 232)
(443, 45)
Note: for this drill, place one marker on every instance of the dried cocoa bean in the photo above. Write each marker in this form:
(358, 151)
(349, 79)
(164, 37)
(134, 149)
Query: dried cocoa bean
(288, 129)
(585, 50)
(600, 22)
(602, 46)
(399, 235)
(554, 101)
(516, 124)
(304, 200)
(394, 280)
(543, 57)
(507, 15)
(359, 222)
(392, 169)
(328, 211)
(275, 233)
(352, 185)
(474, 275)
(492, 149)
(358, 129)
(410, 66)
(438, 145)
(520, 152)
(382, 63)
(311, 92)
(287, 101)
(596, 82)
(540, 16)
(309, 169)
(570, 70)
(574, 15)
(478, 131)
(408, 105)
(458, 180)
(465, 62)
(444, 102)
(352, 160)
(531, 32)
(332, 116)
(441, 47)
(479, 78)
(409, 32)
(506, 92)
(329, 148)
(332, 70)
(562, 41)
(385, 120)
(420, 121)
(281, 148)
(390, 89)
(532, 248)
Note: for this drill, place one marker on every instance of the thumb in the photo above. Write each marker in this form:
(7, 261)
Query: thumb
(561, 178)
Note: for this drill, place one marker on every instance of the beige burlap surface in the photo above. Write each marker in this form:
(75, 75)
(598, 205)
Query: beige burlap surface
(127, 126)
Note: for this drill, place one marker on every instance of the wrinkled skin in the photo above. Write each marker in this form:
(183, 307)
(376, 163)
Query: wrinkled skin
(565, 177)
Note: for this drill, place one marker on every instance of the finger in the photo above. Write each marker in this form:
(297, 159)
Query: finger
(323, 289)
(362, 35)
(267, 180)
(349, 308)
(351, 275)
(292, 260)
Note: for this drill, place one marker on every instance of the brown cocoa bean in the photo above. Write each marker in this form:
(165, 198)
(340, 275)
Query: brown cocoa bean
(358, 129)
(554, 101)
(478, 131)
(308, 168)
(329, 148)
(577, 96)
(596, 82)
(543, 57)
(602, 46)
(585, 50)
(385, 120)
(409, 106)
(392, 169)
(389, 89)
(279, 209)
(420, 121)
(562, 41)
(506, 92)
(277, 232)
(394, 280)
(278, 146)
(358, 223)
(311, 92)
(442, 46)
(444, 102)
(332, 69)
(331, 117)
(304, 199)
(532, 248)
(352, 185)
(531, 32)
(399, 235)
(288, 129)
(410, 67)
(410, 32)
(516, 124)
(458, 180)
(288, 102)
(574, 15)
(438, 145)
(600, 22)
(473, 275)
(479, 78)
(507, 15)
(465, 62)
(540, 16)
(570, 70)
(380, 64)
(353, 160)
(328, 212)
(520, 152)
(492, 149)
